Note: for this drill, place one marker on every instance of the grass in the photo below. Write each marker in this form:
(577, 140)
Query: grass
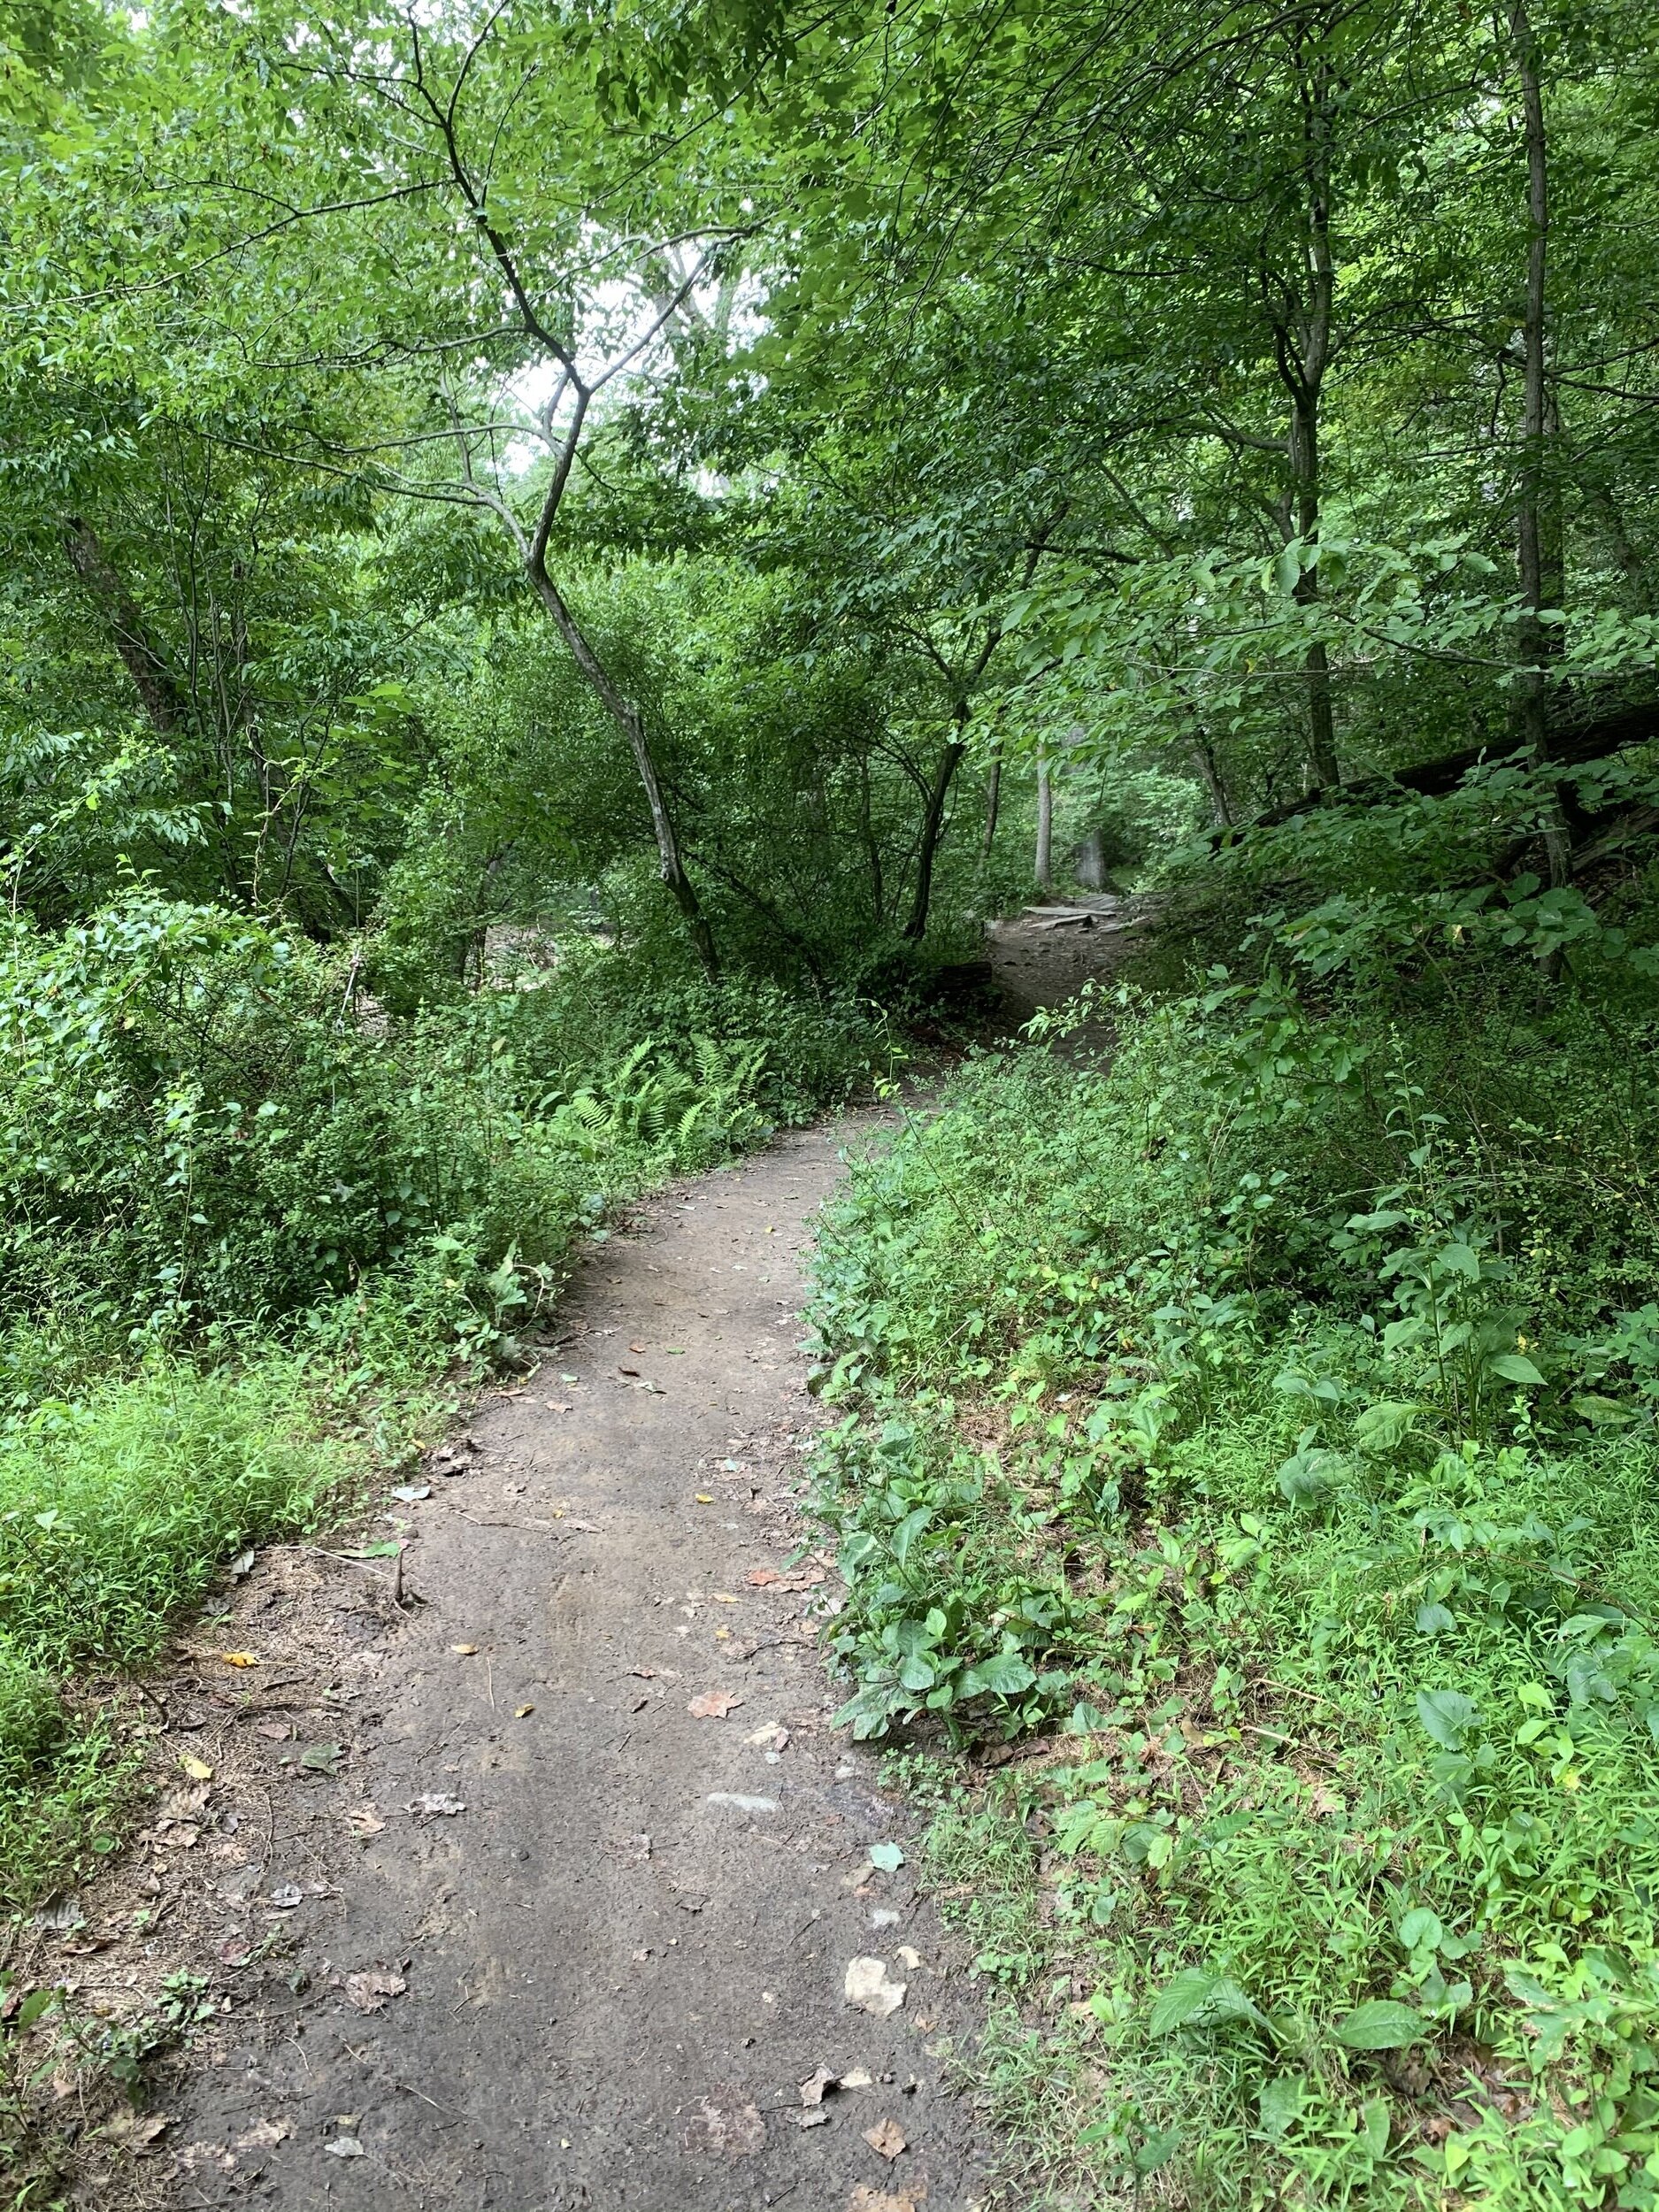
(1327, 1869)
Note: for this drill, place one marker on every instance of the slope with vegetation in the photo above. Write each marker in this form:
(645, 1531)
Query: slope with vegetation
(560, 561)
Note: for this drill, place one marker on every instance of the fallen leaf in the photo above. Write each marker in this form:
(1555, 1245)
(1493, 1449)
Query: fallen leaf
(465, 1651)
(322, 1758)
(723, 1597)
(627, 1371)
(365, 1820)
(243, 1564)
(713, 1705)
(813, 2087)
(888, 1856)
(239, 1658)
(554, 1406)
(646, 1674)
(285, 1896)
(275, 1731)
(636, 1347)
(412, 1493)
(868, 1987)
(704, 1498)
(344, 2146)
(909, 1959)
(369, 1990)
(263, 2133)
(773, 1579)
(816, 2118)
(234, 1951)
(725, 2125)
(887, 2139)
(198, 1769)
(773, 1737)
(522, 1712)
(858, 2077)
(137, 2130)
(434, 1806)
(864, 2198)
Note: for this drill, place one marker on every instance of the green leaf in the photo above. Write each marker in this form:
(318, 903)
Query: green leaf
(1380, 2024)
(322, 1758)
(1384, 1423)
(1434, 1620)
(1446, 1715)
(1005, 1672)
(1421, 1927)
(1196, 1998)
(1514, 1367)
(1280, 2102)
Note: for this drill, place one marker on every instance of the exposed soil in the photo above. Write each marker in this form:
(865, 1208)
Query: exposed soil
(595, 1964)
(1046, 955)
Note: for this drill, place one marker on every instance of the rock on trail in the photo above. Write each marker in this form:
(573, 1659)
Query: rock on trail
(573, 1921)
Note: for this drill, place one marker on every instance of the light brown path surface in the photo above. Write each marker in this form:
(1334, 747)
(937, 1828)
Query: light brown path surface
(620, 1961)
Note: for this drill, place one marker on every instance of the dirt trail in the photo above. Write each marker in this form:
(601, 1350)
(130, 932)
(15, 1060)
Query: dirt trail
(602, 1983)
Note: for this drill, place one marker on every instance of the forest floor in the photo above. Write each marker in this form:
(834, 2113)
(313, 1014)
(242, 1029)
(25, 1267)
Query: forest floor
(547, 1883)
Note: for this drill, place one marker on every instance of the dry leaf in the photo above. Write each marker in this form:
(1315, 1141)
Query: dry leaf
(137, 2130)
(813, 2087)
(859, 2077)
(636, 1347)
(465, 1651)
(369, 1990)
(887, 2139)
(816, 2118)
(865, 2197)
(345, 2147)
(628, 1370)
(239, 1658)
(868, 1987)
(435, 1805)
(909, 1959)
(723, 1597)
(263, 2134)
(704, 1498)
(365, 1820)
(198, 1769)
(725, 2124)
(275, 1731)
(522, 1712)
(713, 1705)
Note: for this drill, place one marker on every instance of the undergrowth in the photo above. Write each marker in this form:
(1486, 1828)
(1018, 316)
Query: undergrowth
(1253, 1436)
(255, 1238)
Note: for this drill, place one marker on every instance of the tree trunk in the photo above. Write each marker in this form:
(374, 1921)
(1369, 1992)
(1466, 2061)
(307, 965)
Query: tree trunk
(992, 803)
(163, 702)
(1303, 372)
(1537, 532)
(1044, 870)
(630, 721)
(872, 844)
(933, 828)
(1209, 771)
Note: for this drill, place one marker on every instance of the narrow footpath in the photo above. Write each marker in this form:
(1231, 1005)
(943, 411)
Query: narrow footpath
(549, 1887)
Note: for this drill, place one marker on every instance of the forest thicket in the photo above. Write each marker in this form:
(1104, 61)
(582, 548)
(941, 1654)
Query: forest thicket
(560, 560)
